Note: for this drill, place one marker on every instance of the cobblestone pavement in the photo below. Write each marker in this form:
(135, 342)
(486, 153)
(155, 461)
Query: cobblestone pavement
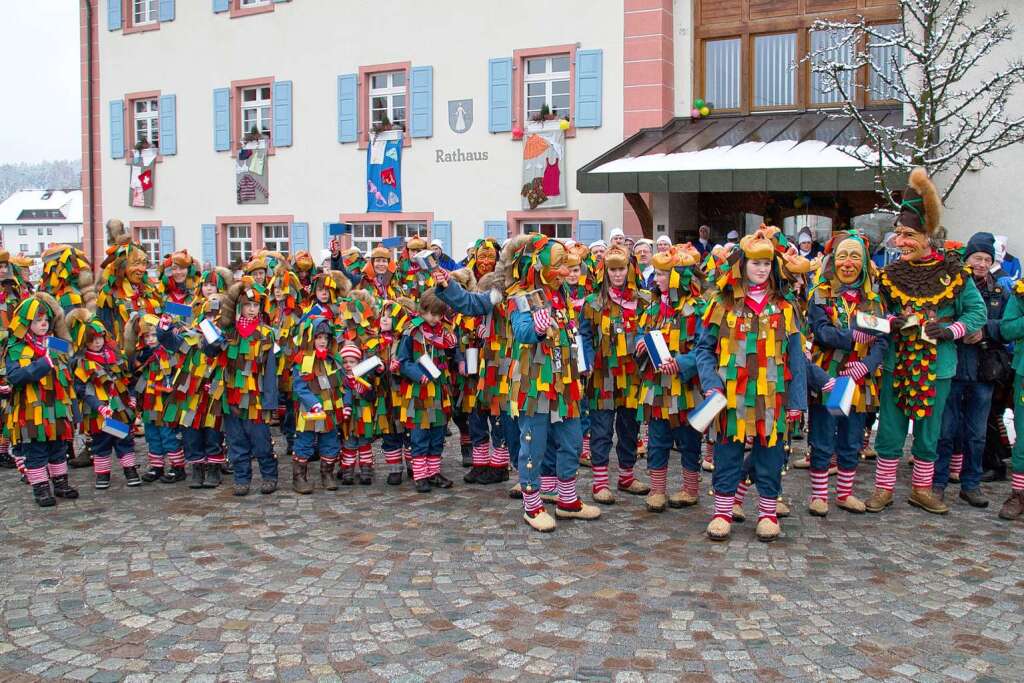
(379, 583)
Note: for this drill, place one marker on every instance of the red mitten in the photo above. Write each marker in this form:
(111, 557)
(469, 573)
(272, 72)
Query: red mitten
(856, 370)
(794, 415)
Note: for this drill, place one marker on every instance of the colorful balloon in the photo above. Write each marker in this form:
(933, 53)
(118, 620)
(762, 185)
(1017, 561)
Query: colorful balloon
(517, 133)
(704, 111)
(698, 103)
(564, 124)
(695, 114)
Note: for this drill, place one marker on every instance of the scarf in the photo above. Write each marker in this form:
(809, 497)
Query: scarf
(623, 296)
(246, 326)
(757, 297)
(106, 356)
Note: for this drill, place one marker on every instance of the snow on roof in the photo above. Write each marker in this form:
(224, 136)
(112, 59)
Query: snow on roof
(68, 202)
(749, 155)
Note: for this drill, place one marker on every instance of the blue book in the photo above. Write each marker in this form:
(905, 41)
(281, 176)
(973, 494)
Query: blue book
(841, 397)
(391, 243)
(182, 311)
(57, 344)
(339, 229)
(657, 349)
(707, 410)
(115, 428)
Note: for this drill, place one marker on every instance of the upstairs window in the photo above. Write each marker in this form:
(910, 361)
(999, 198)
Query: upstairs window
(387, 98)
(774, 70)
(275, 237)
(145, 12)
(366, 236)
(546, 82)
(883, 80)
(146, 114)
(239, 242)
(722, 73)
(149, 240)
(255, 105)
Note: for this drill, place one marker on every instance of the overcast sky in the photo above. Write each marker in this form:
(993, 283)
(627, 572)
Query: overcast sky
(39, 68)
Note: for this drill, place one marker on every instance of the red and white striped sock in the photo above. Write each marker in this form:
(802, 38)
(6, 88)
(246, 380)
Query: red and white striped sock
(924, 473)
(625, 477)
(420, 467)
(499, 457)
(127, 460)
(691, 480)
(767, 507)
(709, 451)
(19, 462)
(464, 439)
(659, 479)
(834, 462)
(600, 478)
(177, 458)
(219, 459)
(885, 473)
(348, 458)
(567, 492)
(37, 475)
(393, 459)
(723, 506)
(844, 484)
(819, 485)
(329, 461)
(156, 460)
(586, 445)
(433, 464)
(366, 455)
(5, 446)
(532, 501)
(548, 484)
(956, 464)
(57, 469)
(1017, 481)
(101, 464)
(741, 492)
(481, 455)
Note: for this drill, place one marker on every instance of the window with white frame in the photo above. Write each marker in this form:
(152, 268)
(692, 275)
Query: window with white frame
(22, 232)
(558, 230)
(883, 79)
(366, 236)
(407, 229)
(546, 81)
(147, 121)
(256, 110)
(41, 246)
(22, 248)
(275, 237)
(387, 98)
(145, 12)
(49, 231)
(149, 240)
(239, 242)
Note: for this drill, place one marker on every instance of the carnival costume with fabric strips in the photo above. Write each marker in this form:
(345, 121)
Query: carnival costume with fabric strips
(40, 418)
(932, 301)
(392, 319)
(609, 326)
(1012, 330)
(751, 353)
(124, 286)
(284, 310)
(843, 289)
(667, 397)
(103, 384)
(411, 280)
(180, 278)
(318, 394)
(304, 267)
(14, 287)
(328, 291)
(425, 354)
(359, 423)
(384, 285)
(67, 276)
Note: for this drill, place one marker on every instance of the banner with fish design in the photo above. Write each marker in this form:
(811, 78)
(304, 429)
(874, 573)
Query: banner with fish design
(384, 172)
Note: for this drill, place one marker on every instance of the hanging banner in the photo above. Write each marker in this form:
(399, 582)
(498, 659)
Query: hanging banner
(142, 178)
(251, 186)
(544, 167)
(384, 172)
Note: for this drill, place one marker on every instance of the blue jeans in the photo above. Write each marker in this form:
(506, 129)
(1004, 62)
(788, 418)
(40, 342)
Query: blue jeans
(306, 443)
(660, 439)
(201, 444)
(288, 423)
(103, 444)
(626, 428)
(248, 440)
(538, 431)
(395, 442)
(162, 440)
(352, 442)
(42, 453)
(429, 441)
(484, 428)
(839, 434)
(965, 416)
(512, 437)
(765, 464)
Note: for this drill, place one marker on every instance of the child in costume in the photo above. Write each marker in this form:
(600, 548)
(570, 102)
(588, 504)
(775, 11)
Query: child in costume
(318, 388)
(609, 326)
(328, 290)
(358, 423)
(304, 269)
(751, 353)
(580, 284)
(844, 287)
(934, 297)
(41, 415)
(396, 444)
(180, 278)
(14, 287)
(669, 391)
(411, 280)
(103, 384)
(153, 368)
(283, 309)
(427, 398)
(378, 276)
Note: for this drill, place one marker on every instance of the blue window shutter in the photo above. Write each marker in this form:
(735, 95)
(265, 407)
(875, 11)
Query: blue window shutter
(496, 229)
(299, 237)
(166, 240)
(117, 129)
(589, 231)
(499, 95)
(166, 10)
(209, 243)
(282, 114)
(347, 114)
(168, 125)
(442, 230)
(588, 88)
(421, 91)
(327, 235)
(114, 15)
(221, 119)
(221, 5)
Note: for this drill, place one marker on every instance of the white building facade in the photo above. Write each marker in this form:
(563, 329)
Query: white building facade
(31, 220)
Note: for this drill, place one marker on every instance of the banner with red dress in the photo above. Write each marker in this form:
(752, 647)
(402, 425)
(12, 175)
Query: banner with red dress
(544, 167)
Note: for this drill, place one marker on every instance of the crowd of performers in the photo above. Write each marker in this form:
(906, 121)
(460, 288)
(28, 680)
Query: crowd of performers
(536, 350)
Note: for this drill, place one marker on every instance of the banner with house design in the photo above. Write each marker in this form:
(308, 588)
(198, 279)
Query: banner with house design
(251, 186)
(142, 179)
(544, 167)
(384, 172)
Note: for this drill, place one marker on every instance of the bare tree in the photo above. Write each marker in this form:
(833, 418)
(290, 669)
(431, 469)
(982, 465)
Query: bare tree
(933, 63)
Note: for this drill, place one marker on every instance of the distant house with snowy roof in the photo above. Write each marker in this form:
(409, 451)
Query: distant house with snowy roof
(30, 220)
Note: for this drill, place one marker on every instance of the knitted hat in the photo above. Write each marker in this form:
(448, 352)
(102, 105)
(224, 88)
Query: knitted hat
(663, 238)
(350, 350)
(921, 208)
(984, 242)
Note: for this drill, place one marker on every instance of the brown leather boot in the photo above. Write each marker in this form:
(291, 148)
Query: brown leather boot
(327, 480)
(925, 498)
(878, 501)
(1013, 508)
(300, 470)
